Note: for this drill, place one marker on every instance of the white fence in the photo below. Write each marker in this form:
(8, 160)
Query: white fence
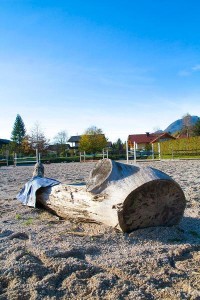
(83, 155)
(26, 160)
(4, 161)
(134, 152)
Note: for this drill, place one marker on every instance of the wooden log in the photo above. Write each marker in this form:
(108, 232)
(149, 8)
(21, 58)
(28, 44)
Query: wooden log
(124, 196)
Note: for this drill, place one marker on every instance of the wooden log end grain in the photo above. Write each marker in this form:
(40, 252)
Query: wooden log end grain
(155, 203)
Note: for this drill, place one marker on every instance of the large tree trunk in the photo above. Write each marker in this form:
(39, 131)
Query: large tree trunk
(123, 196)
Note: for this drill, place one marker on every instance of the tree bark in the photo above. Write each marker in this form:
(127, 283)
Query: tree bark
(123, 196)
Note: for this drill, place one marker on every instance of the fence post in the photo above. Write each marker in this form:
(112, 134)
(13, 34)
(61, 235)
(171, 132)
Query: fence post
(159, 154)
(152, 151)
(127, 152)
(7, 157)
(15, 159)
(36, 154)
(135, 152)
(103, 153)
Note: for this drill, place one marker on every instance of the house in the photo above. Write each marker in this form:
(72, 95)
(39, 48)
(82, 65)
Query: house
(143, 141)
(55, 148)
(4, 142)
(74, 141)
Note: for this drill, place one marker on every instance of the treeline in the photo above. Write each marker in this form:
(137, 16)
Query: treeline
(92, 141)
(26, 143)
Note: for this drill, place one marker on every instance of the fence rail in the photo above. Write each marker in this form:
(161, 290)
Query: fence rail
(4, 161)
(179, 153)
(26, 160)
(192, 152)
(84, 157)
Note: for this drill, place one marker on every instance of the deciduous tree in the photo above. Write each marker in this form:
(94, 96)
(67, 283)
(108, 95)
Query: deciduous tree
(26, 145)
(187, 124)
(38, 139)
(61, 140)
(93, 140)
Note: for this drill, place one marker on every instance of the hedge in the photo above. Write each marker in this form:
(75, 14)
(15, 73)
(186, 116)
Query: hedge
(180, 147)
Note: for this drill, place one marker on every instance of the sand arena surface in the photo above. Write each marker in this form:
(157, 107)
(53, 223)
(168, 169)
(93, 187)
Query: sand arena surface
(43, 257)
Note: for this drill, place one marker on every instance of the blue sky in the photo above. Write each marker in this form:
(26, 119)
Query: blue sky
(124, 66)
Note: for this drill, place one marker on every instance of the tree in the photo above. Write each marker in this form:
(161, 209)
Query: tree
(19, 131)
(61, 137)
(187, 124)
(118, 147)
(196, 128)
(93, 140)
(26, 145)
(93, 130)
(37, 138)
(61, 140)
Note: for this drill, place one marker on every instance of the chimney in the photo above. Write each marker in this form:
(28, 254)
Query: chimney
(147, 133)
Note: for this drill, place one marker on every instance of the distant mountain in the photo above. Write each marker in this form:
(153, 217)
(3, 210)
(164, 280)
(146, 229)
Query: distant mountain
(178, 125)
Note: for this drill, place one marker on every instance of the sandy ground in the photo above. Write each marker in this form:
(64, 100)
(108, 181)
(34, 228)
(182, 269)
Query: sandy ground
(44, 257)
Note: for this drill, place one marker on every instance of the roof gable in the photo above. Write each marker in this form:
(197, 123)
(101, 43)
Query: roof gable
(77, 138)
(74, 139)
(163, 136)
(4, 141)
(149, 137)
(142, 138)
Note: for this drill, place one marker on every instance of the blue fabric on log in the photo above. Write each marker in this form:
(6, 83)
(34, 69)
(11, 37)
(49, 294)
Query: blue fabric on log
(27, 195)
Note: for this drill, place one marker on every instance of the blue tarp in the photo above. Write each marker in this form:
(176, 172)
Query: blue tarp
(27, 195)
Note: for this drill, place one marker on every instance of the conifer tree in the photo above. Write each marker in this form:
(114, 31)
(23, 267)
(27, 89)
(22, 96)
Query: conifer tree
(19, 131)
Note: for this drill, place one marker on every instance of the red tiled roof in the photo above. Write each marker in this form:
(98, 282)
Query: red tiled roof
(141, 138)
(163, 135)
(148, 138)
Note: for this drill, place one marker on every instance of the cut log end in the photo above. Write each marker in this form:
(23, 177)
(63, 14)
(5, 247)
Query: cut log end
(156, 203)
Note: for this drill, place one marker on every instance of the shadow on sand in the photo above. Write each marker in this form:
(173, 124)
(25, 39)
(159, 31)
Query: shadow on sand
(187, 231)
